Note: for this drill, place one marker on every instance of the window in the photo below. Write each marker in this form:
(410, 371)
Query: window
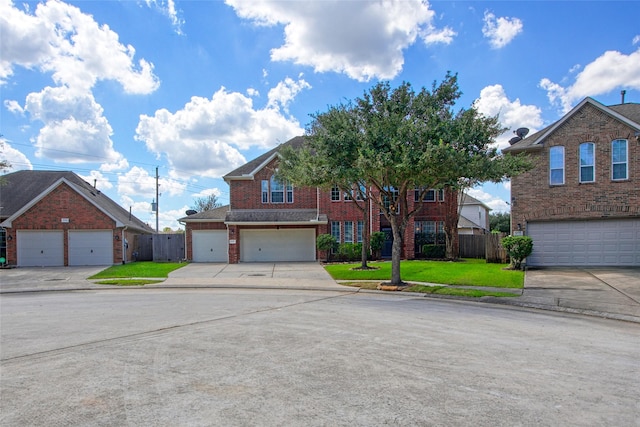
(587, 162)
(276, 192)
(348, 231)
(361, 193)
(619, 165)
(335, 194)
(359, 231)
(335, 230)
(441, 194)
(556, 165)
(265, 191)
(394, 196)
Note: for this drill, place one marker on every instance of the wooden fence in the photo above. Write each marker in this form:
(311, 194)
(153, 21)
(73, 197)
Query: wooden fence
(164, 247)
(485, 246)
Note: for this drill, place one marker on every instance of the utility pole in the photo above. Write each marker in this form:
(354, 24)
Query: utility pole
(157, 201)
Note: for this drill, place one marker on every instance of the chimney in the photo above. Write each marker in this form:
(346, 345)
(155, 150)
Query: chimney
(622, 94)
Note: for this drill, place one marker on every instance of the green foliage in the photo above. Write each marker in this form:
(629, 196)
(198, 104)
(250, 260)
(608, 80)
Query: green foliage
(518, 248)
(349, 251)
(326, 242)
(207, 203)
(500, 222)
(434, 251)
(376, 242)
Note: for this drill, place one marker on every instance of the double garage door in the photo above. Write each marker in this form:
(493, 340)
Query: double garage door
(40, 248)
(293, 244)
(612, 242)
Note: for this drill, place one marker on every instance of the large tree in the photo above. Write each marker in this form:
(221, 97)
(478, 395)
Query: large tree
(207, 203)
(395, 141)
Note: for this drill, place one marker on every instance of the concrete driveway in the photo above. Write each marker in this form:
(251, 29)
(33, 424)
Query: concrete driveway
(614, 291)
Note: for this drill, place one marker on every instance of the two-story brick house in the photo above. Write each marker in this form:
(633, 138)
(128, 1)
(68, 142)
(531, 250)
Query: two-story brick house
(270, 221)
(581, 202)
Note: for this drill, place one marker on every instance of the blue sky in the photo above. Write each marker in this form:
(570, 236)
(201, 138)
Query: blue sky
(113, 89)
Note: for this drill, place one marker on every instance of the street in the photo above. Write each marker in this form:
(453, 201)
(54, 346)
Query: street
(168, 357)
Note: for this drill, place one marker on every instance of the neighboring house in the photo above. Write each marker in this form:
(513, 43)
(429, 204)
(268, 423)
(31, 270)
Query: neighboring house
(581, 202)
(474, 216)
(270, 221)
(55, 218)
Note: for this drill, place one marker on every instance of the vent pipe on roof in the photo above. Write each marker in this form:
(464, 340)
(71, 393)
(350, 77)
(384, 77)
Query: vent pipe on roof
(622, 94)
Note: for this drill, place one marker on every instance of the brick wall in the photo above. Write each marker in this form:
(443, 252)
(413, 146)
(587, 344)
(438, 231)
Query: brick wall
(533, 199)
(47, 214)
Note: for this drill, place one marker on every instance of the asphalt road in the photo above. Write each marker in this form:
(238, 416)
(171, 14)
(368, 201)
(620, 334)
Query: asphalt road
(229, 357)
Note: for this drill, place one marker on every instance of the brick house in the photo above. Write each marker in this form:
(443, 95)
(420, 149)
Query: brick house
(581, 202)
(55, 218)
(267, 221)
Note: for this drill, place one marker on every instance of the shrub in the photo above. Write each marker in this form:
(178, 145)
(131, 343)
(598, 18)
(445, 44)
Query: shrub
(326, 242)
(350, 251)
(376, 242)
(434, 251)
(518, 248)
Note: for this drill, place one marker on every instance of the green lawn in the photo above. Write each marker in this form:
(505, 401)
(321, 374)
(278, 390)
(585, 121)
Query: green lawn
(467, 272)
(139, 269)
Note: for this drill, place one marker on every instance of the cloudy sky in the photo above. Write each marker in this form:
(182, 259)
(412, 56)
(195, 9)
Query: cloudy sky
(113, 90)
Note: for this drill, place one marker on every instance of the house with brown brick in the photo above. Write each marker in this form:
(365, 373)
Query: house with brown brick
(55, 218)
(581, 202)
(267, 220)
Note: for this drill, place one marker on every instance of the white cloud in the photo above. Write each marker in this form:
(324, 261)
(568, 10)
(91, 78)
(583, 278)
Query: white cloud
(285, 92)
(98, 180)
(512, 114)
(75, 129)
(636, 40)
(205, 136)
(494, 202)
(500, 31)
(15, 158)
(609, 71)
(208, 192)
(139, 182)
(60, 39)
(168, 8)
(363, 40)
(13, 106)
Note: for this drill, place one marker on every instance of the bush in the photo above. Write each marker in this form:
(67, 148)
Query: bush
(518, 248)
(326, 242)
(434, 251)
(350, 251)
(376, 242)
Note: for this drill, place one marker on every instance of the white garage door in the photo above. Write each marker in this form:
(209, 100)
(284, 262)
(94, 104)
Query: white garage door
(278, 245)
(90, 247)
(40, 248)
(209, 246)
(612, 242)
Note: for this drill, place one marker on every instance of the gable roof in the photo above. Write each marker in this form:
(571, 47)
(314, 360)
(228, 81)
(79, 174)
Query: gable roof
(23, 189)
(248, 170)
(468, 200)
(628, 114)
(212, 215)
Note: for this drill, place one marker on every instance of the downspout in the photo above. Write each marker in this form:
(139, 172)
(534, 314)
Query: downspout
(123, 241)
(185, 239)
(317, 204)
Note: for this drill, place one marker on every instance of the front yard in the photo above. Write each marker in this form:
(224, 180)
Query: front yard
(463, 273)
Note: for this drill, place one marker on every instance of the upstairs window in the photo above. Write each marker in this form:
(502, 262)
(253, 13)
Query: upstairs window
(274, 191)
(429, 196)
(556, 165)
(335, 194)
(619, 163)
(587, 162)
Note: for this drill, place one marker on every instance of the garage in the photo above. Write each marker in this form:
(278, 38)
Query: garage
(90, 247)
(209, 245)
(277, 245)
(610, 242)
(40, 248)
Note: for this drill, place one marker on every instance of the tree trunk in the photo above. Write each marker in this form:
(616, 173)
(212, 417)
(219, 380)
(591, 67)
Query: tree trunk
(452, 214)
(365, 236)
(396, 250)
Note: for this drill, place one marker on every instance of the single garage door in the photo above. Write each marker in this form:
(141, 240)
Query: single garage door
(611, 242)
(39, 248)
(90, 247)
(297, 244)
(209, 246)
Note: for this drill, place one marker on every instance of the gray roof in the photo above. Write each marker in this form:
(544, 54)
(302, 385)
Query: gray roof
(251, 167)
(275, 216)
(23, 187)
(628, 113)
(211, 215)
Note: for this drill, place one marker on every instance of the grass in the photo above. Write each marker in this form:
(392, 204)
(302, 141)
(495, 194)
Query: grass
(467, 272)
(141, 269)
(127, 282)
